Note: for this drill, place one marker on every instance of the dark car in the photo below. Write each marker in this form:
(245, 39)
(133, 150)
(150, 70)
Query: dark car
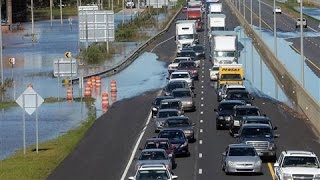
(177, 139)
(239, 95)
(237, 115)
(258, 120)
(183, 123)
(174, 85)
(156, 104)
(224, 112)
(191, 67)
(200, 51)
(161, 143)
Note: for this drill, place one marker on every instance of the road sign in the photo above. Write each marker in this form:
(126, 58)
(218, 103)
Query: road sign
(67, 55)
(65, 68)
(29, 100)
(12, 61)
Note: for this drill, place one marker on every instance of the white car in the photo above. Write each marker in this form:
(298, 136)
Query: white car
(153, 171)
(277, 9)
(182, 75)
(297, 165)
(174, 64)
(214, 73)
(222, 93)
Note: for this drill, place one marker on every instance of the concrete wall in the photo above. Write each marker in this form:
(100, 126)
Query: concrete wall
(289, 85)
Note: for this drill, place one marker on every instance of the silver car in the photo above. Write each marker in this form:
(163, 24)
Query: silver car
(241, 158)
(162, 115)
(154, 156)
(186, 97)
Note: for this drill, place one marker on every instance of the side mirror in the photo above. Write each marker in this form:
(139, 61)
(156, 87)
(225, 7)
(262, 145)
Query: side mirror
(275, 128)
(264, 115)
(140, 148)
(224, 154)
(167, 78)
(276, 164)
(235, 135)
(174, 177)
(131, 178)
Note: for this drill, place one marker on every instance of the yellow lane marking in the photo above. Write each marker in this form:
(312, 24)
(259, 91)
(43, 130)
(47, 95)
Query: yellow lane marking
(271, 170)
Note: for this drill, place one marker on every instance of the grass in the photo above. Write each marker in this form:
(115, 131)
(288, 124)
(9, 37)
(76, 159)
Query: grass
(33, 166)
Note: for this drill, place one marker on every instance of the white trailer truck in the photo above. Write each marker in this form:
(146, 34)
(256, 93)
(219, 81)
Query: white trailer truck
(216, 22)
(215, 8)
(224, 47)
(186, 34)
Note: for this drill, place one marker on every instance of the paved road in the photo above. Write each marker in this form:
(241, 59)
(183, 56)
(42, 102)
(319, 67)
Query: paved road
(105, 150)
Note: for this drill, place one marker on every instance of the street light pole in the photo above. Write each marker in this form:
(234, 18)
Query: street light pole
(123, 12)
(1, 60)
(275, 29)
(301, 44)
(260, 17)
(251, 12)
(61, 11)
(51, 4)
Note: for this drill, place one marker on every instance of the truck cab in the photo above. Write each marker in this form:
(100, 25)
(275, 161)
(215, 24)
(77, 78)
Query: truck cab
(186, 34)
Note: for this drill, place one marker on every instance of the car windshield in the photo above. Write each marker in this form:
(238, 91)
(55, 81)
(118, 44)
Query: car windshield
(187, 65)
(171, 105)
(215, 68)
(248, 112)
(177, 60)
(182, 75)
(158, 100)
(172, 86)
(198, 48)
(176, 135)
(238, 95)
(185, 36)
(157, 145)
(256, 122)
(187, 54)
(181, 94)
(242, 151)
(178, 122)
(256, 132)
(224, 54)
(164, 114)
(228, 106)
(300, 161)
(236, 77)
(152, 175)
(152, 155)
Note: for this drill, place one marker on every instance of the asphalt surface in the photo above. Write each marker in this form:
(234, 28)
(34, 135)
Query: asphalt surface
(286, 23)
(107, 147)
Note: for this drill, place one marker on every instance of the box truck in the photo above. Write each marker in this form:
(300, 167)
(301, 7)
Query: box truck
(230, 74)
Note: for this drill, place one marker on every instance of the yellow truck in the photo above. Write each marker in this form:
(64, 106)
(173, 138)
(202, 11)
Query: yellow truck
(230, 74)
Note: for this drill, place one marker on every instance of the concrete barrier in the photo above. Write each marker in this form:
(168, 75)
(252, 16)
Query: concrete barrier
(304, 102)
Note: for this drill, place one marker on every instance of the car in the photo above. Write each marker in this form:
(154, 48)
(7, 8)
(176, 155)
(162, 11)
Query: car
(182, 75)
(174, 64)
(161, 143)
(304, 23)
(243, 95)
(178, 139)
(153, 171)
(183, 123)
(200, 51)
(238, 113)
(154, 156)
(224, 112)
(171, 104)
(173, 84)
(297, 165)
(222, 92)
(241, 158)
(156, 104)
(214, 73)
(162, 115)
(261, 137)
(186, 97)
(191, 67)
(277, 9)
(190, 53)
(258, 120)
(130, 4)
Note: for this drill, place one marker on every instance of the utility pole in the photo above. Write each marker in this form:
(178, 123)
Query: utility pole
(9, 11)
(301, 45)
(32, 21)
(275, 29)
(260, 17)
(51, 4)
(251, 12)
(1, 60)
(61, 12)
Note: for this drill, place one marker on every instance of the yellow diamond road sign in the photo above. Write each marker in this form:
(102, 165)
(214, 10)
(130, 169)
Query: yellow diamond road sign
(67, 54)
(29, 100)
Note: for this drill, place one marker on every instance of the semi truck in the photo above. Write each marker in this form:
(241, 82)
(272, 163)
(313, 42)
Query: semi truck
(216, 22)
(230, 74)
(195, 14)
(186, 34)
(223, 47)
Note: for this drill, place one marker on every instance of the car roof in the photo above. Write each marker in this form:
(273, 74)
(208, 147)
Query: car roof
(170, 100)
(157, 139)
(253, 125)
(183, 57)
(177, 81)
(237, 91)
(245, 107)
(235, 86)
(180, 72)
(152, 166)
(167, 110)
(185, 62)
(181, 89)
(153, 150)
(177, 117)
(240, 145)
(260, 118)
(171, 129)
(232, 101)
(298, 153)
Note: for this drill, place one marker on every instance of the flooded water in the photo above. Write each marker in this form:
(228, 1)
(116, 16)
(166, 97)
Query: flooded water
(313, 12)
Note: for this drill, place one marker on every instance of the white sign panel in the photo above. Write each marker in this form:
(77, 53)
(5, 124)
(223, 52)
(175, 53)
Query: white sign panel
(29, 100)
(65, 68)
(157, 3)
(96, 26)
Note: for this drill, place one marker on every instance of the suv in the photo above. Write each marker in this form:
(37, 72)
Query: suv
(130, 4)
(190, 53)
(173, 84)
(222, 92)
(297, 165)
(214, 73)
(153, 171)
(304, 23)
(174, 64)
(182, 75)
(178, 139)
(258, 120)
(183, 123)
(261, 137)
(243, 95)
(162, 115)
(238, 113)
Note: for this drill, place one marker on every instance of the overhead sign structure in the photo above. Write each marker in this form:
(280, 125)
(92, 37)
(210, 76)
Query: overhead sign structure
(29, 100)
(96, 26)
(157, 3)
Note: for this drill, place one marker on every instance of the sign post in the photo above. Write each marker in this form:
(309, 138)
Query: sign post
(12, 61)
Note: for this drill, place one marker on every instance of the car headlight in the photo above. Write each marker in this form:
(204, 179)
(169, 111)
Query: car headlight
(236, 123)
(272, 146)
(189, 102)
(154, 109)
(231, 163)
(220, 117)
(258, 163)
(227, 118)
(184, 144)
(286, 176)
(187, 131)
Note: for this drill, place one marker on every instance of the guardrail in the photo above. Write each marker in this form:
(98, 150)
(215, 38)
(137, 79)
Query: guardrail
(293, 89)
(133, 55)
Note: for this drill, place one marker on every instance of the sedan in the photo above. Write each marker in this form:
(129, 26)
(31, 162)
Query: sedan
(183, 123)
(154, 156)
(162, 115)
(200, 51)
(177, 139)
(241, 158)
(156, 104)
(186, 98)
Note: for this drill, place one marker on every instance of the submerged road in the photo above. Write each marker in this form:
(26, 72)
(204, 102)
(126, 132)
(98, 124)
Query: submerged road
(105, 151)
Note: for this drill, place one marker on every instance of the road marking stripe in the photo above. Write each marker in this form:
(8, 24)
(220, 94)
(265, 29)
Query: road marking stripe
(201, 104)
(202, 81)
(201, 121)
(200, 171)
(200, 155)
(201, 130)
(271, 170)
(201, 98)
(201, 112)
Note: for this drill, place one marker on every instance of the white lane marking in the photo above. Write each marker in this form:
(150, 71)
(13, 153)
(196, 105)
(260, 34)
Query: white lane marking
(202, 76)
(202, 81)
(201, 112)
(201, 130)
(200, 155)
(201, 121)
(201, 92)
(202, 72)
(200, 141)
(201, 98)
(136, 147)
(201, 104)
(200, 171)
(202, 87)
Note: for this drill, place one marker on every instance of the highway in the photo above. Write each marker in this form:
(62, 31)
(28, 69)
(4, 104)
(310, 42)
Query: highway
(105, 151)
(286, 23)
